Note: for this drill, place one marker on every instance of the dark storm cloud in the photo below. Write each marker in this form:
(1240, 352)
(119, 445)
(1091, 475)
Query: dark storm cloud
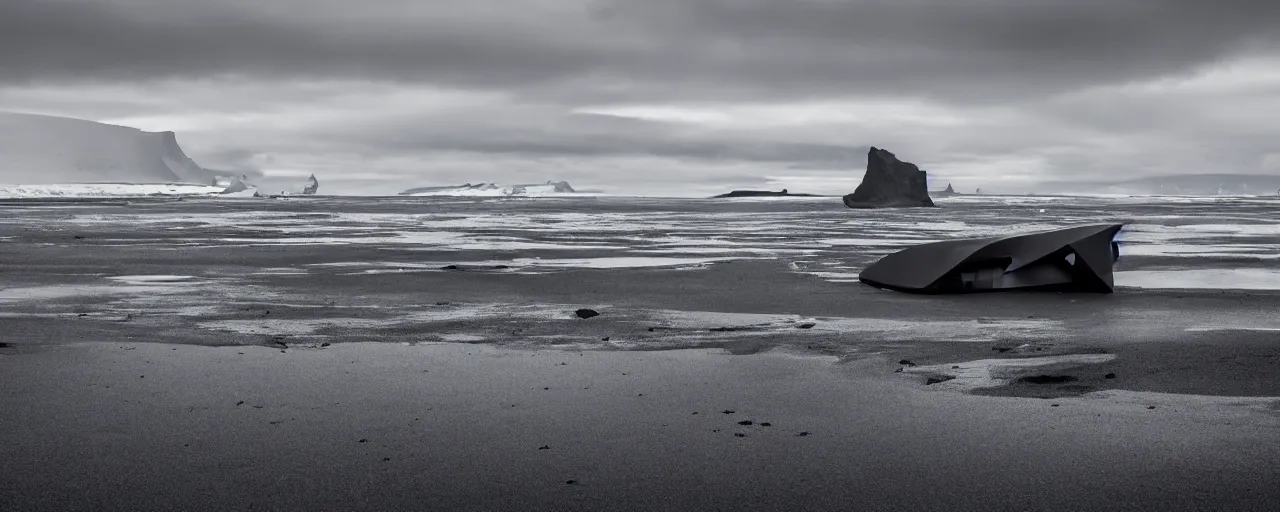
(640, 50)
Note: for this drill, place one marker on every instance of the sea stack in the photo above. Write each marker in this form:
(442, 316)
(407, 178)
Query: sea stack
(889, 183)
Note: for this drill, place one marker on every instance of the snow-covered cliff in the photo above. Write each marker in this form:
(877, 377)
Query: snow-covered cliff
(37, 149)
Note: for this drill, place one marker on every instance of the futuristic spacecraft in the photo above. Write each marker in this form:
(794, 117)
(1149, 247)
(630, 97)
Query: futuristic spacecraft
(1072, 259)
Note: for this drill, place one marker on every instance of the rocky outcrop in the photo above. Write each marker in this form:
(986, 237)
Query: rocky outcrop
(948, 192)
(312, 186)
(889, 182)
(760, 193)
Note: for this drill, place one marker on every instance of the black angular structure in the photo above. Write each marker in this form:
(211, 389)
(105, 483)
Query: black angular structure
(1072, 259)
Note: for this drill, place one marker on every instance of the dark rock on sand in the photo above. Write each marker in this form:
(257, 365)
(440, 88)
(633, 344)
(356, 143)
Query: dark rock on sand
(739, 434)
(760, 193)
(586, 313)
(889, 182)
(4, 345)
(745, 422)
(806, 325)
(906, 362)
(1109, 376)
(544, 447)
(570, 482)
(728, 411)
(938, 380)
(766, 424)
(802, 434)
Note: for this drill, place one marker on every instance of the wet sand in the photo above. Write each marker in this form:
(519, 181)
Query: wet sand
(142, 372)
(128, 426)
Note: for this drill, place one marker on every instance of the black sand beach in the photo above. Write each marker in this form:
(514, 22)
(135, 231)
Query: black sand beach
(203, 364)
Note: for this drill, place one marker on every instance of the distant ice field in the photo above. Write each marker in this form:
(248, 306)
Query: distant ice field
(1168, 242)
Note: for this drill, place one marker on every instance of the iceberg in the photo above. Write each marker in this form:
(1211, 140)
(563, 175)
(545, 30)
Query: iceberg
(89, 190)
(240, 188)
(312, 186)
(42, 150)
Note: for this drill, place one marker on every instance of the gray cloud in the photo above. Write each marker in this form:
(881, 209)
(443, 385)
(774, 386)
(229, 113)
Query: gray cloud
(664, 49)
(993, 90)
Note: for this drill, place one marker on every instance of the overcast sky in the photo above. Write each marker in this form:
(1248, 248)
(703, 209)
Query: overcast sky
(666, 95)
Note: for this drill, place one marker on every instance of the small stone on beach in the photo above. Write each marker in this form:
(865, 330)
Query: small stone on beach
(766, 424)
(739, 434)
(802, 434)
(727, 411)
(544, 447)
(586, 313)
(745, 422)
(1109, 376)
(570, 482)
(906, 362)
(807, 325)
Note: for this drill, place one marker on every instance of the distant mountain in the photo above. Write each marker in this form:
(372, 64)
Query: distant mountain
(36, 149)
